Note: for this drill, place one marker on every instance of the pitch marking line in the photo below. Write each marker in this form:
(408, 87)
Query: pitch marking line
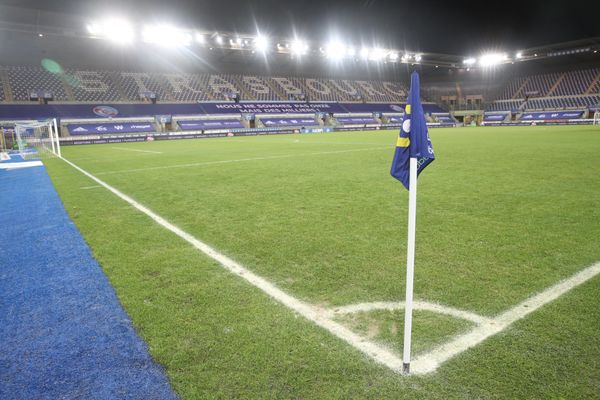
(425, 363)
(314, 314)
(417, 304)
(140, 151)
(430, 361)
(200, 164)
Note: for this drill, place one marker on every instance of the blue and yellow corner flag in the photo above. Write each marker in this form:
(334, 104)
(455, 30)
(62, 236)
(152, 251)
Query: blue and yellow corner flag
(413, 140)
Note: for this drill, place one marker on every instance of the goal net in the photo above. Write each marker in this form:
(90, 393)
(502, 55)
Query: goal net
(37, 139)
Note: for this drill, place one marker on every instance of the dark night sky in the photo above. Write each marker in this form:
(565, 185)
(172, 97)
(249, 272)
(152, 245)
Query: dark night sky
(454, 27)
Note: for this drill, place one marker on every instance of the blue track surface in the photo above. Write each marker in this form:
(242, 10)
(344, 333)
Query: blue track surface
(63, 333)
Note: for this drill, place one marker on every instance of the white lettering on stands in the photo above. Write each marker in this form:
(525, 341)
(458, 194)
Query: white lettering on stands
(179, 83)
(90, 81)
(137, 77)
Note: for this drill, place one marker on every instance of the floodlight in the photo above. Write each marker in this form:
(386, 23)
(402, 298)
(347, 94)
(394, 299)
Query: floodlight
(335, 50)
(491, 59)
(166, 35)
(114, 29)
(299, 47)
(377, 54)
(405, 57)
(219, 39)
(393, 56)
(261, 43)
(200, 38)
(470, 61)
(519, 54)
(364, 53)
(418, 57)
(350, 51)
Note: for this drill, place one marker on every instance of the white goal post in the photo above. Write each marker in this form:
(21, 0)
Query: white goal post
(597, 118)
(37, 139)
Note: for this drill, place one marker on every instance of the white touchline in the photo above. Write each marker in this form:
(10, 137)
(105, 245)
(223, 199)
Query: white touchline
(430, 361)
(140, 151)
(425, 363)
(200, 164)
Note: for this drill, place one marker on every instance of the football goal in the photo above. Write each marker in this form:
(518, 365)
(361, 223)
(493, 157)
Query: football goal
(37, 139)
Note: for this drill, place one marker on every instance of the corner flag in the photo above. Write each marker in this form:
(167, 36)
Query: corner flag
(413, 154)
(413, 140)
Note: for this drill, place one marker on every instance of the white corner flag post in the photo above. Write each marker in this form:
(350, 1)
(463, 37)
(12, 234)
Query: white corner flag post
(410, 264)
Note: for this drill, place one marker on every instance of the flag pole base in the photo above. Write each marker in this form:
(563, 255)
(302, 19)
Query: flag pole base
(406, 368)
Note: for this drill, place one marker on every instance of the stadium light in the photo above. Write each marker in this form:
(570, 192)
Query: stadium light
(166, 35)
(261, 43)
(405, 57)
(335, 50)
(299, 47)
(364, 53)
(470, 61)
(393, 56)
(377, 54)
(219, 39)
(418, 57)
(491, 59)
(200, 38)
(114, 29)
(519, 55)
(350, 51)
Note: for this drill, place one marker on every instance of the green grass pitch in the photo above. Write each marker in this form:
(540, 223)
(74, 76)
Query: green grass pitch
(502, 214)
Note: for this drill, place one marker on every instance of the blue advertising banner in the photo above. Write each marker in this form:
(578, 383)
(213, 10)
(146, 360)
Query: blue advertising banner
(271, 108)
(100, 129)
(210, 124)
(550, 115)
(356, 120)
(288, 121)
(445, 118)
(40, 111)
(494, 117)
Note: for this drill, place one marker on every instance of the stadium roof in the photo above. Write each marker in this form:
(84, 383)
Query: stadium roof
(425, 33)
(430, 26)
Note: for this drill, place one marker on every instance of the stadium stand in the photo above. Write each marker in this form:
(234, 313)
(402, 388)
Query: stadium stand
(83, 85)
(188, 87)
(4, 86)
(93, 85)
(258, 88)
(554, 91)
(23, 79)
(506, 105)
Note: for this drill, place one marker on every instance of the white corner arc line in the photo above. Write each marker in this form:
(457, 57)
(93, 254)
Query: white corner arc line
(314, 314)
(136, 150)
(430, 361)
(417, 304)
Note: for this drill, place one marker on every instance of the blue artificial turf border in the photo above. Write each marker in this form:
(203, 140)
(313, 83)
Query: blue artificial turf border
(63, 332)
